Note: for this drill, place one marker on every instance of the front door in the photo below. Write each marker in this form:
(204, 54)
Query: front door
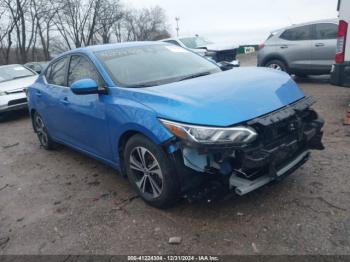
(295, 47)
(85, 115)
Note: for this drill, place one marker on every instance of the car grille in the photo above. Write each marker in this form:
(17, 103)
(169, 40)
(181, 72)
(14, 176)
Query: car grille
(290, 128)
(17, 101)
(15, 91)
(227, 56)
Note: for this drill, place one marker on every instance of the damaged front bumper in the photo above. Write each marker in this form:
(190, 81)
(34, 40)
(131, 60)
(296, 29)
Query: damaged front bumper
(285, 138)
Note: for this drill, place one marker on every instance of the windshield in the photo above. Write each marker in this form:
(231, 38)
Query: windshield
(153, 65)
(12, 72)
(195, 42)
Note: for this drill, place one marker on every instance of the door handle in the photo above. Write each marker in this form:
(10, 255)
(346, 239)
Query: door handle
(319, 44)
(283, 46)
(64, 101)
(38, 93)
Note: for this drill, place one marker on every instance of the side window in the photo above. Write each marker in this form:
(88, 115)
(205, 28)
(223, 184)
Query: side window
(326, 31)
(80, 68)
(172, 42)
(56, 73)
(298, 33)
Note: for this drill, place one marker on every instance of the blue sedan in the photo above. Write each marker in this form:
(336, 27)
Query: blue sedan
(172, 121)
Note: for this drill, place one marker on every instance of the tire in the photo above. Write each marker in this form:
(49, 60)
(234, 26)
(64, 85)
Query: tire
(277, 64)
(150, 172)
(40, 129)
(301, 75)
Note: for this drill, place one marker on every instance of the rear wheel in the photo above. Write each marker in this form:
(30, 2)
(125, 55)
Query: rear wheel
(42, 133)
(277, 65)
(301, 75)
(150, 172)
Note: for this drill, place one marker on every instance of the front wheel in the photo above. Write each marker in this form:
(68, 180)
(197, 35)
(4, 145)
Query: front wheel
(277, 65)
(150, 171)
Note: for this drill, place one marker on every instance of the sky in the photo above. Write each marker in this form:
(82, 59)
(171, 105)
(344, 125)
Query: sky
(238, 21)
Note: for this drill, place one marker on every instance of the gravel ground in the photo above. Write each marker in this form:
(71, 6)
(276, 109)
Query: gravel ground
(63, 202)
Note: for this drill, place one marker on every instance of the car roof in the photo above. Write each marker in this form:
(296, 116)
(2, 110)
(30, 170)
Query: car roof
(178, 38)
(10, 65)
(333, 20)
(36, 62)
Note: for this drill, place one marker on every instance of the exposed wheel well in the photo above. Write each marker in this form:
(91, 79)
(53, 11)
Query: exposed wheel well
(121, 145)
(124, 139)
(32, 112)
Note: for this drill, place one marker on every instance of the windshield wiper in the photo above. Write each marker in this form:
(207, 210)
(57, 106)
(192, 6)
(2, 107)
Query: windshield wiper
(195, 76)
(139, 85)
(17, 77)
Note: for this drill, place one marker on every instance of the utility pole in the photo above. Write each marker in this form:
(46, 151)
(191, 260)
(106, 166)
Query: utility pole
(177, 19)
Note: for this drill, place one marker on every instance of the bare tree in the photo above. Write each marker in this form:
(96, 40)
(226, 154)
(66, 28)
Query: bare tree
(44, 12)
(110, 14)
(147, 24)
(7, 26)
(77, 20)
(24, 25)
(32, 29)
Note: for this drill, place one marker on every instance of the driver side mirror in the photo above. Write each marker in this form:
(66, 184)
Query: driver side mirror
(85, 86)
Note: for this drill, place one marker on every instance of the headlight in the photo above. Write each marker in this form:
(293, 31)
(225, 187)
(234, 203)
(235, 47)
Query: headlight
(211, 135)
(2, 93)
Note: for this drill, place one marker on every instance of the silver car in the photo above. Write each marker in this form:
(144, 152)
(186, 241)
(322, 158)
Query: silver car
(217, 52)
(13, 81)
(304, 49)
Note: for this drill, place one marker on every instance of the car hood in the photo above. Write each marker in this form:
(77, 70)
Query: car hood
(222, 99)
(220, 47)
(17, 83)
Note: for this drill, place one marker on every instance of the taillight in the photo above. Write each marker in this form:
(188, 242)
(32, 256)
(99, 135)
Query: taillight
(343, 29)
(261, 46)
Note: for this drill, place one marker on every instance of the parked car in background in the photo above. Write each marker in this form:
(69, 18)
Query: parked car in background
(36, 66)
(341, 68)
(13, 81)
(304, 49)
(171, 120)
(216, 52)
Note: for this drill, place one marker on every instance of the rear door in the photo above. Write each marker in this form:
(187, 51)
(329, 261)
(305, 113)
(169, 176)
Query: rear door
(324, 46)
(48, 97)
(295, 47)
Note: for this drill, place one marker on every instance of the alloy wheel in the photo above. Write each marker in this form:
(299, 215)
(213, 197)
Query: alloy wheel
(147, 172)
(276, 67)
(41, 131)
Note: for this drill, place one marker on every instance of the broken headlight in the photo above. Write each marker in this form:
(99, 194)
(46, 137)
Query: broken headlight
(211, 135)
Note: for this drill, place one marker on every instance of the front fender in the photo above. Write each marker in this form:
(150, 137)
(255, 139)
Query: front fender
(130, 116)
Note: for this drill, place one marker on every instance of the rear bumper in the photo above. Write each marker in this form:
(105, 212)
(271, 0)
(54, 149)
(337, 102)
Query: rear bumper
(340, 74)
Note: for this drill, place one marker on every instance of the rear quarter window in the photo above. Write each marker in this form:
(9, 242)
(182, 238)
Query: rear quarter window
(56, 73)
(326, 31)
(298, 33)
